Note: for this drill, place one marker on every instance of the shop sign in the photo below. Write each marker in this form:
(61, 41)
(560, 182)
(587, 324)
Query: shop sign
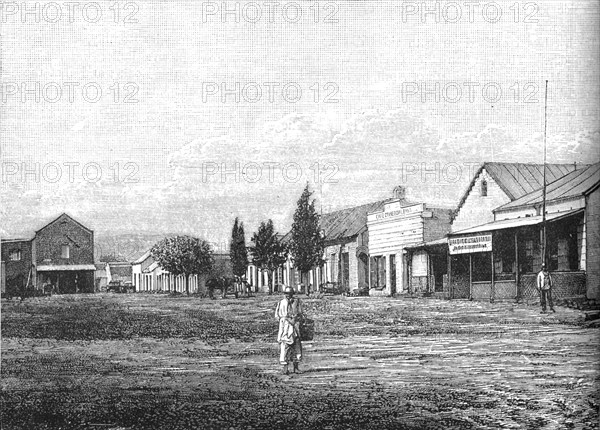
(470, 244)
(393, 212)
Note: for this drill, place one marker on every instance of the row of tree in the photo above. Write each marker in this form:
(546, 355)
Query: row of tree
(186, 255)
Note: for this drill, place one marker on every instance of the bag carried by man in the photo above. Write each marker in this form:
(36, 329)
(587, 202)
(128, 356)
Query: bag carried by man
(307, 329)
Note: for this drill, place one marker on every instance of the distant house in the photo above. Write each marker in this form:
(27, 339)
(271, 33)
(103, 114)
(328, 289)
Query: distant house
(101, 280)
(118, 271)
(17, 264)
(259, 279)
(147, 275)
(60, 254)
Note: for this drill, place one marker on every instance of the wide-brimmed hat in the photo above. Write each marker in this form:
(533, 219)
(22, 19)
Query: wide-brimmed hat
(288, 290)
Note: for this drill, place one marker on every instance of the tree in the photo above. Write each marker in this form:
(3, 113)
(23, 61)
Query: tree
(308, 244)
(183, 255)
(237, 249)
(269, 253)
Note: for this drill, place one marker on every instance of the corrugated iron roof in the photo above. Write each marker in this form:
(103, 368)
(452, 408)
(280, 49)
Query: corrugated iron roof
(348, 222)
(574, 184)
(518, 179)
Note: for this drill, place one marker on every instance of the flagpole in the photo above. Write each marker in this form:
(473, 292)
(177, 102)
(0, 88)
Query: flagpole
(544, 177)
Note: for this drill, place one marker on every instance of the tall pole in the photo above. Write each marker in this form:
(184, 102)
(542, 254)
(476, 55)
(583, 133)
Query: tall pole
(544, 177)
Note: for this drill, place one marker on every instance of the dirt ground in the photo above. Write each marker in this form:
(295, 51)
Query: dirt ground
(135, 361)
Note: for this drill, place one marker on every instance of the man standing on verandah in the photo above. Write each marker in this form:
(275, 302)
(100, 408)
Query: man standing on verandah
(289, 314)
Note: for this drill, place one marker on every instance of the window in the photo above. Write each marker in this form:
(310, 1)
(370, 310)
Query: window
(15, 255)
(484, 186)
(332, 268)
(504, 256)
(65, 251)
(378, 272)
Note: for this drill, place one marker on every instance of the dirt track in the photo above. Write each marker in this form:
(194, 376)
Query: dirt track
(139, 361)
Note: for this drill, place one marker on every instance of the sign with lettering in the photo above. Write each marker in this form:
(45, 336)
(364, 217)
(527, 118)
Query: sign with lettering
(395, 211)
(470, 244)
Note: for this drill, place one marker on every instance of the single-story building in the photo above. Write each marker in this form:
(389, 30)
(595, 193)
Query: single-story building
(492, 185)
(500, 259)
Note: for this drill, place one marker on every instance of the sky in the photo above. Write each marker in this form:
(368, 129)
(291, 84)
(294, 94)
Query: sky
(176, 116)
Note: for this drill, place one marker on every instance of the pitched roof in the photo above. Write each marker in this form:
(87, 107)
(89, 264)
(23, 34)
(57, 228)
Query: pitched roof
(142, 258)
(348, 222)
(574, 184)
(518, 179)
(64, 214)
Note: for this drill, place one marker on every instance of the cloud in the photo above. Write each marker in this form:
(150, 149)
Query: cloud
(368, 155)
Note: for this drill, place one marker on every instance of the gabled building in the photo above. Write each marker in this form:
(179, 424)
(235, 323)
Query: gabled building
(493, 185)
(346, 247)
(60, 254)
(500, 259)
(496, 184)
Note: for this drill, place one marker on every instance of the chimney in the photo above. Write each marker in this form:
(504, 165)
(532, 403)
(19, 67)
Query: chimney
(399, 192)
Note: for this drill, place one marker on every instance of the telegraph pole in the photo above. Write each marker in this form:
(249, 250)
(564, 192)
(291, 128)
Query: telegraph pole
(544, 176)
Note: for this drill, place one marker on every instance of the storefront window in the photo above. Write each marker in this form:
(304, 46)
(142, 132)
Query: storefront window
(563, 244)
(504, 256)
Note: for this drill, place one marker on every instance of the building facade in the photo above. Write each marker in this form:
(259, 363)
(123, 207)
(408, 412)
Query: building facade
(493, 185)
(147, 275)
(496, 184)
(60, 257)
(500, 259)
(392, 268)
(17, 264)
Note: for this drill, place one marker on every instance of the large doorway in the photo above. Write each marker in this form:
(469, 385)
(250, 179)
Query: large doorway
(363, 270)
(393, 273)
(439, 268)
(345, 271)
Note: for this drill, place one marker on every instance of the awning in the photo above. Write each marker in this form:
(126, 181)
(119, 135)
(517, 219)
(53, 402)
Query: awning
(66, 267)
(517, 222)
(431, 243)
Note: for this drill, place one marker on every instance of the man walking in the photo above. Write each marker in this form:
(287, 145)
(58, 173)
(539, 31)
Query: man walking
(289, 314)
(544, 286)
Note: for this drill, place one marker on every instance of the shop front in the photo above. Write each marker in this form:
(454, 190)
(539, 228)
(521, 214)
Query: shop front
(393, 268)
(500, 260)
